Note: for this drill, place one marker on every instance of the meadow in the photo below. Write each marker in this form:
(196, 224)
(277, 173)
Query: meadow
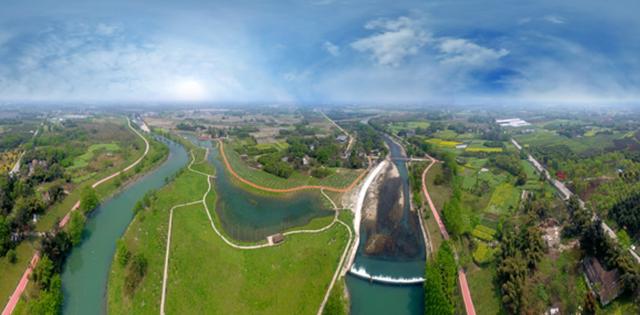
(208, 276)
(340, 177)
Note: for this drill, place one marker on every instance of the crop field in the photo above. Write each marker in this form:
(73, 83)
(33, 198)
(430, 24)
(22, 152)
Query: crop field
(483, 254)
(83, 160)
(8, 159)
(406, 125)
(444, 143)
(484, 233)
(504, 199)
(341, 177)
(577, 145)
(483, 149)
(278, 145)
(446, 134)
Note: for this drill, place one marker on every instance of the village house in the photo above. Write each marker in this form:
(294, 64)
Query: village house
(606, 284)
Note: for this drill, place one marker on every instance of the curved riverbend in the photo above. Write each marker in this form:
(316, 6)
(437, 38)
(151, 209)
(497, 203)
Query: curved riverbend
(84, 279)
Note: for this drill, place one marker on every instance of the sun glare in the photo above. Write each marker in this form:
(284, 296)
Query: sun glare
(190, 90)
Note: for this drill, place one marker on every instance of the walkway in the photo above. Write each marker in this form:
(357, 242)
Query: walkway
(269, 243)
(284, 190)
(462, 277)
(15, 297)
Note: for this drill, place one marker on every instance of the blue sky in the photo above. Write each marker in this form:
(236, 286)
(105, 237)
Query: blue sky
(321, 51)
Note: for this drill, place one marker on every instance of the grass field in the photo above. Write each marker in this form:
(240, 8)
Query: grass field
(483, 149)
(83, 160)
(407, 125)
(279, 145)
(340, 178)
(485, 293)
(503, 199)
(207, 276)
(543, 137)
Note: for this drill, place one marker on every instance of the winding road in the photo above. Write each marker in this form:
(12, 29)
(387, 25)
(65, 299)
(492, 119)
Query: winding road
(22, 284)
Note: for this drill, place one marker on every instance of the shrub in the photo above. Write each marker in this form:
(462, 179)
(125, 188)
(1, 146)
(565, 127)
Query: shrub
(135, 273)
(123, 253)
(11, 256)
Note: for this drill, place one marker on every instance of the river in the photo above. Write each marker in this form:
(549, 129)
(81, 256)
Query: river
(84, 279)
(376, 298)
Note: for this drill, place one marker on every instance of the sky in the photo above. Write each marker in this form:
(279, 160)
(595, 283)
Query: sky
(321, 51)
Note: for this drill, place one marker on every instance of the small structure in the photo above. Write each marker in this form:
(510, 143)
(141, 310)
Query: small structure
(277, 238)
(341, 138)
(605, 283)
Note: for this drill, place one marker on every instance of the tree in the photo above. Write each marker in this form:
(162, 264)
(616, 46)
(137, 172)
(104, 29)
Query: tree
(89, 199)
(5, 235)
(435, 300)
(123, 253)
(50, 300)
(76, 226)
(56, 246)
(43, 272)
(11, 256)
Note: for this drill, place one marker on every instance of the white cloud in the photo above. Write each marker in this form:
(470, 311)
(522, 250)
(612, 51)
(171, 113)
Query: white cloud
(395, 40)
(555, 19)
(464, 52)
(101, 63)
(331, 48)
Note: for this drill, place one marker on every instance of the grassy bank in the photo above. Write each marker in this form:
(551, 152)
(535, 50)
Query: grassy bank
(208, 276)
(340, 177)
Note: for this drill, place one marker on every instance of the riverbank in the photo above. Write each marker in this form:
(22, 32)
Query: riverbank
(32, 291)
(291, 277)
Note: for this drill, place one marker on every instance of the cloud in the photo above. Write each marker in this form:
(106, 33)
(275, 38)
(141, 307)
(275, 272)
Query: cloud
(555, 19)
(464, 52)
(101, 62)
(331, 48)
(394, 41)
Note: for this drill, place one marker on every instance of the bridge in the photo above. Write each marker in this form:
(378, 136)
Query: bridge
(409, 159)
(362, 273)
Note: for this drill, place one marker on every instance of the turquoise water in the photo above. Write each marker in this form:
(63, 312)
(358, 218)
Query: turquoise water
(249, 216)
(84, 279)
(375, 298)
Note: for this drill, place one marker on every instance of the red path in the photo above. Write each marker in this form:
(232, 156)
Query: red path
(284, 190)
(22, 285)
(462, 278)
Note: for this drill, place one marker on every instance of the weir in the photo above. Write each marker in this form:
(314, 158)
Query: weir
(361, 272)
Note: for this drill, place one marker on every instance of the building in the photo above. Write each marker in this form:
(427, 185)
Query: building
(512, 122)
(606, 284)
(277, 238)
(341, 138)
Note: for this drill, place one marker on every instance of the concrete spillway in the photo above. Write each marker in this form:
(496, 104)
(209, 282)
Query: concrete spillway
(362, 273)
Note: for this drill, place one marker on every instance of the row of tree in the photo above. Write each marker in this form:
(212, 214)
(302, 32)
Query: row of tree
(440, 282)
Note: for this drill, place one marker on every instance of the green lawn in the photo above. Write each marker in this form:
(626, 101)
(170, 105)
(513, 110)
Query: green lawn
(207, 276)
(340, 178)
(83, 160)
(485, 293)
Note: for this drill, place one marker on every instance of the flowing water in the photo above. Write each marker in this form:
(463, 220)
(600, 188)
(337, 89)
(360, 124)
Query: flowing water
(84, 279)
(376, 298)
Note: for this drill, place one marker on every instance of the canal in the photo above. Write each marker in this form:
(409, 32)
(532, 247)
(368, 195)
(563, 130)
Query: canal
(84, 279)
(376, 298)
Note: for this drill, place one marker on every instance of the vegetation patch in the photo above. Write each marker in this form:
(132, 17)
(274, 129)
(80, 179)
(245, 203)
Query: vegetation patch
(483, 233)
(483, 254)
(504, 199)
